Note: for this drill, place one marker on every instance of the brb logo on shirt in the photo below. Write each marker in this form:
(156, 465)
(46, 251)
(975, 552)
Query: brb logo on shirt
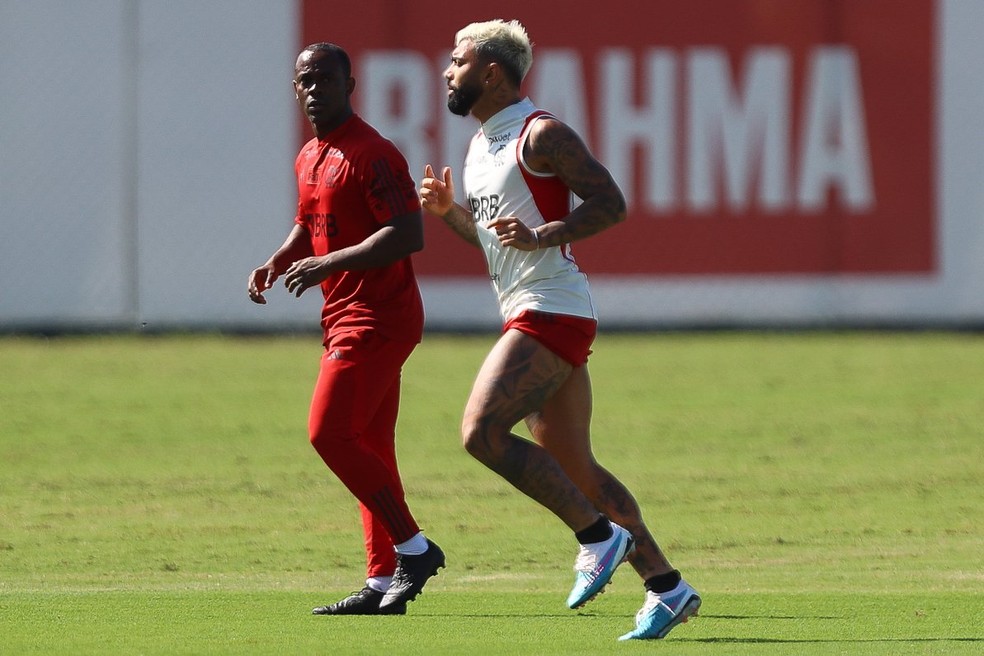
(322, 225)
(484, 208)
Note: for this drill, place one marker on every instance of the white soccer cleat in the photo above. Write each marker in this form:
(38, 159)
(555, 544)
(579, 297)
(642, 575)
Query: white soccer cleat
(664, 610)
(596, 563)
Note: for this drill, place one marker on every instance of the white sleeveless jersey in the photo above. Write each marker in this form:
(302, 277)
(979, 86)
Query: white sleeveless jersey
(497, 183)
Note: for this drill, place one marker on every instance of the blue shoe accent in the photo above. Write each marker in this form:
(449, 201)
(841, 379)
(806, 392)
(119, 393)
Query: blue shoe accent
(662, 612)
(596, 563)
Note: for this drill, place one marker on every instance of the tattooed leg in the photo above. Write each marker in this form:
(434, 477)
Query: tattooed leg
(562, 426)
(518, 376)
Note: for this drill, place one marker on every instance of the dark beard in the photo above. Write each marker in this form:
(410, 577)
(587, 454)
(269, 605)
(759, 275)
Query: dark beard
(463, 99)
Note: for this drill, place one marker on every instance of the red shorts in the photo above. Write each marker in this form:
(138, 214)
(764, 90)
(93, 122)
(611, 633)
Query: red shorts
(568, 336)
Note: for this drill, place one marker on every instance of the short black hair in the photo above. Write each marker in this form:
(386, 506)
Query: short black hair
(337, 51)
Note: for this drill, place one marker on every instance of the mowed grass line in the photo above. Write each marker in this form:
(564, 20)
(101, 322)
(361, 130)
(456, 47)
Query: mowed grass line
(158, 495)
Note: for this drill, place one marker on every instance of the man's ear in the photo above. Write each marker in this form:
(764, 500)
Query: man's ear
(492, 71)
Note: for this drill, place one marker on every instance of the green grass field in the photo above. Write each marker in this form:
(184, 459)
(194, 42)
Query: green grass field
(825, 492)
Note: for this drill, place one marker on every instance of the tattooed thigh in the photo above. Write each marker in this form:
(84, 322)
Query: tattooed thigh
(517, 378)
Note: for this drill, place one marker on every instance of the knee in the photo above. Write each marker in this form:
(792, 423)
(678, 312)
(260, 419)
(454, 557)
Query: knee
(471, 438)
(478, 440)
(320, 443)
(330, 444)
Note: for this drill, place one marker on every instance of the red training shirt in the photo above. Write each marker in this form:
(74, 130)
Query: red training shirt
(349, 184)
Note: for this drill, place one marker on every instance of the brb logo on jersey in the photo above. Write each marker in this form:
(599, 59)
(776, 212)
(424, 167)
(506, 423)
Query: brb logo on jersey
(484, 208)
(321, 225)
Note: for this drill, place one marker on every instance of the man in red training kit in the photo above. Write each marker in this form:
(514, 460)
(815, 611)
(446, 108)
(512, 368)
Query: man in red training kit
(358, 221)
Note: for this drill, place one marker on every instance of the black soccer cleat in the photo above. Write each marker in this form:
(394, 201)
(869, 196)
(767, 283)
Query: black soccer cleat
(364, 602)
(411, 574)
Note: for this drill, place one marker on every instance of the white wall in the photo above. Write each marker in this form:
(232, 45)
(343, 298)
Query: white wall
(64, 150)
(147, 160)
(146, 153)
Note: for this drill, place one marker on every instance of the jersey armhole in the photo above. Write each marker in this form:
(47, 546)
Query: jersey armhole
(521, 143)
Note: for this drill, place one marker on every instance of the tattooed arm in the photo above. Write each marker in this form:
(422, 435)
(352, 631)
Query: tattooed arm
(553, 147)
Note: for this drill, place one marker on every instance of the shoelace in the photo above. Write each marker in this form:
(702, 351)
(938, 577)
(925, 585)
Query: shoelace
(654, 599)
(400, 575)
(588, 556)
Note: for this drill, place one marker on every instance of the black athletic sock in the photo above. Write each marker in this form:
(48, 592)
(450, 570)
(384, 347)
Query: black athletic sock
(663, 582)
(597, 532)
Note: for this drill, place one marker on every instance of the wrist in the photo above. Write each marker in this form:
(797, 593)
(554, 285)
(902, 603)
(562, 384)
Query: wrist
(536, 239)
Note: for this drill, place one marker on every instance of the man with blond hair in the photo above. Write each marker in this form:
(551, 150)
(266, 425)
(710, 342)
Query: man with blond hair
(521, 168)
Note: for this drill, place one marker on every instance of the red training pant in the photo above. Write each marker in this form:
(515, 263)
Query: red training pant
(352, 426)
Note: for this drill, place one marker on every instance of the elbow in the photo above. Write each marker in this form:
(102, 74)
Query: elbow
(415, 245)
(405, 235)
(415, 237)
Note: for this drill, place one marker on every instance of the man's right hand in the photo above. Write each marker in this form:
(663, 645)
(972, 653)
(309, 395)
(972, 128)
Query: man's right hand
(437, 195)
(260, 280)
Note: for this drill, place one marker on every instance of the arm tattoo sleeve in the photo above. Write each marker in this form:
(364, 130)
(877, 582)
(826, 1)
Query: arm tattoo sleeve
(460, 220)
(569, 158)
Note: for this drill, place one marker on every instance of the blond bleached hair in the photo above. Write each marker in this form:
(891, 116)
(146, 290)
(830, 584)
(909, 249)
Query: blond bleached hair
(503, 42)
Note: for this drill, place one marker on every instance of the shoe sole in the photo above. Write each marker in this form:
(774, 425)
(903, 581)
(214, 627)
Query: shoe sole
(360, 607)
(396, 609)
(399, 609)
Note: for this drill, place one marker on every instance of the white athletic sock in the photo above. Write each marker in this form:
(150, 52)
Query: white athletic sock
(379, 583)
(414, 546)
